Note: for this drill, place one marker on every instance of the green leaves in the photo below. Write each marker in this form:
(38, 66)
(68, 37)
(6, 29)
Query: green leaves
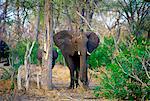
(19, 52)
(124, 77)
(103, 54)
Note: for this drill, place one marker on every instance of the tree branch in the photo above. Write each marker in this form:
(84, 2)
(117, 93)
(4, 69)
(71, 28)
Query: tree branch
(143, 63)
(85, 20)
(132, 76)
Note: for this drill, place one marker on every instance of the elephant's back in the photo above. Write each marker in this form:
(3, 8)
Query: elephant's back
(63, 34)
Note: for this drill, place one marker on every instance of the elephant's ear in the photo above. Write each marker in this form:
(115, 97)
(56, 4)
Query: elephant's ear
(61, 38)
(93, 41)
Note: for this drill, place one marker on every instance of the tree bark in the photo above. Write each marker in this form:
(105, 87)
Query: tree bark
(26, 63)
(48, 44)
(69, 19)
(38, 21)
(3, 26)
(18, 22)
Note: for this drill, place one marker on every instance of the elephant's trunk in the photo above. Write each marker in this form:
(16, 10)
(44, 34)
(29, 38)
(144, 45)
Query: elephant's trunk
(83, 68)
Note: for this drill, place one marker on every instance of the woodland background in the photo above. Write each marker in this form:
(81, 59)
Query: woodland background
(121, 62)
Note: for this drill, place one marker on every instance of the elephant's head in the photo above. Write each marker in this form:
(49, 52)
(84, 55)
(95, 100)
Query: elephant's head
(91, 44)
(71, 41)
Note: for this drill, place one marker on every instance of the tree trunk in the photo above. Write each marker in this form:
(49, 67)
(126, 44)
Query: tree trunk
(48, 44)
(69, 19)
(18, 22)
(26, 63)
(3, 26)
(118, 28)
(38, 21)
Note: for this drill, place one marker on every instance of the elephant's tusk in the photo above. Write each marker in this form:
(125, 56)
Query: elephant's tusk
(78, 52)
(88, 53)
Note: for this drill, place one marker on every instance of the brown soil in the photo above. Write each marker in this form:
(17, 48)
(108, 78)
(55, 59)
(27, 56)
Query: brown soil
(59, 93)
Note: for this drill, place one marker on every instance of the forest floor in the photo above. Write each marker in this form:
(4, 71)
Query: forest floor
(61, 79)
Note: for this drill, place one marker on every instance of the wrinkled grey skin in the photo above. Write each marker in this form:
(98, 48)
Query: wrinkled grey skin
(74, 47)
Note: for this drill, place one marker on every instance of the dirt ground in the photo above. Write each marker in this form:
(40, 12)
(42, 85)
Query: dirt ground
(61, 79)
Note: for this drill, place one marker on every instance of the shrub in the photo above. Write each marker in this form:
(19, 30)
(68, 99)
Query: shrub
(18, 53)
(102, 56)
(60, 58)
(127, 76)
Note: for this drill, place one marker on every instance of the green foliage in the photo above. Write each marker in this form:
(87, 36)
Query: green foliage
(113, 83)
(125, 77)
(19, 52)
(34, 53)
(102, 56)
(60, 58)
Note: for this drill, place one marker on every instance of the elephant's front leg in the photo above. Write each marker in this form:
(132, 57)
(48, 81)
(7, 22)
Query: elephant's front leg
(70, 64)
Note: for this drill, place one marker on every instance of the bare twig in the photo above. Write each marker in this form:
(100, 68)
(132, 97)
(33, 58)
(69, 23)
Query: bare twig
(143, 63)
(124, 70)
(132, 76)
(138, 79)
(148, 63)
(108, 78)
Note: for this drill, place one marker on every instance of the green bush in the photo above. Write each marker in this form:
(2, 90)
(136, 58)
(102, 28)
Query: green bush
(34, 53)
(112, 83)
(102, 56)
(60, 58)
(18, 53)
(127, 76)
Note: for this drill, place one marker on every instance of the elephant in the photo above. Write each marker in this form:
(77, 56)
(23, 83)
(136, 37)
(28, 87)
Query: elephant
(76, 47)
(39, 56)
(4, 52)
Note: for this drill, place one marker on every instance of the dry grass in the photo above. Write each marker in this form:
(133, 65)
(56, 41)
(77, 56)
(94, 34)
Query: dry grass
(5, 86)
(61, 80)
